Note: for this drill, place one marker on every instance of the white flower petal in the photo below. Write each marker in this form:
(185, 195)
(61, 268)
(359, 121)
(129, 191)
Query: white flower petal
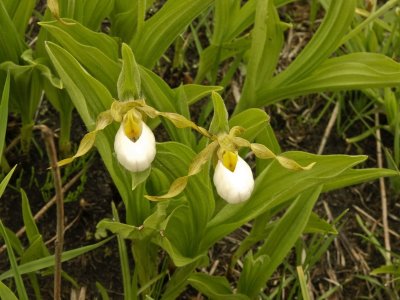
(236, 186)
(135, 156)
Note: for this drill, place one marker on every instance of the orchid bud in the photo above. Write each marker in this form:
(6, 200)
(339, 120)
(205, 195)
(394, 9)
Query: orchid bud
(233, 178)
(135, 145)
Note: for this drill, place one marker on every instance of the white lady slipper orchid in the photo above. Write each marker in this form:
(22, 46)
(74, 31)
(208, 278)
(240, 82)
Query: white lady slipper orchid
(135, 146)
(233, 178)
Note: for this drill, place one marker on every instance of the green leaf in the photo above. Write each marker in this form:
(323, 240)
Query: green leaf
(219, 123)
(267, 41)
(253, 120)
(94, 12)
(5, 181)
(324, 42)
(26, 93)
(4, 113)
(125, 231)
(347, 72)
(178, 281)
(286, 232)
(20, 12)
(127, 17)
(12, 44)
(97, 52)
(213, 55)
(32, 231)
(317, 225)
(158, 32)
(102, 290)
(191, 219)
(214, 287)
(81, 35)
(48, 261)
(159, 95)
(251, 278)
(36, 250)
(124, 261)
(6, 293)
(129, 86)
(392, 269)
(40, 64)
(303, 283)
(80, 85)
(14, 266)
(351, 177)
(195, 92)
(15, 242)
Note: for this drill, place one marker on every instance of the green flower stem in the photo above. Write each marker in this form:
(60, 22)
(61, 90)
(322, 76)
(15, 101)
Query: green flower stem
(145, 256)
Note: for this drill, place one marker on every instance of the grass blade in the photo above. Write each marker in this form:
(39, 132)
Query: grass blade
(14, 266)
(5, 181)
(123, 255)
(48, 261)
(4, 112)
(6, 293)
(303, 283)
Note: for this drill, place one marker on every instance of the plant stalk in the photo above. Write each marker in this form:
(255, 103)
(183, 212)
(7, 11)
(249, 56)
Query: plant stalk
(48, 137)
(384, 204)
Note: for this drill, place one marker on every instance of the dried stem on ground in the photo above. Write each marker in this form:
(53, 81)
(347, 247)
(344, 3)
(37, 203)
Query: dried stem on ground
(329, 127)
(385, 222)
(48, 137)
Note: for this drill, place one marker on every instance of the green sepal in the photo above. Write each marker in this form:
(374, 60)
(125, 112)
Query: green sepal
(129, 83)
(219, 122)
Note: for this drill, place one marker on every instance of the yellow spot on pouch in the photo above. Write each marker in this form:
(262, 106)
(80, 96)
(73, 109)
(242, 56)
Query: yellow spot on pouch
(229, 160)
(132, 126)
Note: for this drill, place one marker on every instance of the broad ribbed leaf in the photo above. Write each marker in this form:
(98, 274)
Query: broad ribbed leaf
(285, 233)
(173, 160)
(20, 12)
(97, 52)
(357, 176)
(11, 42)
(324, 42)
(159, 95)
(267, 40)
(158, 32)
(253, 120)
(195, 92)
(348, 72)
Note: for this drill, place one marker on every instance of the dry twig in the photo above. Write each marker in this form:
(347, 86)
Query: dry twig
(385, 222)
(328, 128)
(48, 137)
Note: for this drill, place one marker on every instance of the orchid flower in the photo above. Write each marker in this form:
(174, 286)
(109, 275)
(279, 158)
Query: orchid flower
(233, 178)
(134, 144)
